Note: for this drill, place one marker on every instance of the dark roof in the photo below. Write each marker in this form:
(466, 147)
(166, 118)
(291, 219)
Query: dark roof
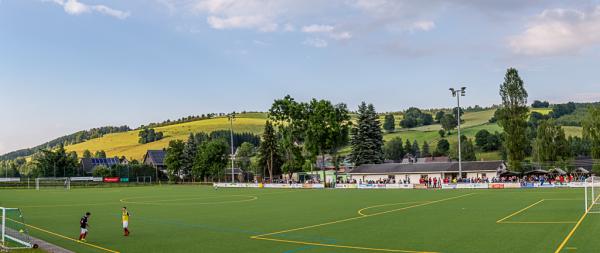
(536, 172)
(386, 168)
(156, 157)
(89, 164)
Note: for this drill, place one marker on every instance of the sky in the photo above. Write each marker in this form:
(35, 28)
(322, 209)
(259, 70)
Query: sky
(70, 65)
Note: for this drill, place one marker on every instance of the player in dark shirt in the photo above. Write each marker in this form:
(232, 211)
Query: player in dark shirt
(83, 224)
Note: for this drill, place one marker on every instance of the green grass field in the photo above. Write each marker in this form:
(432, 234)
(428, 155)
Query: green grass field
(201, 219)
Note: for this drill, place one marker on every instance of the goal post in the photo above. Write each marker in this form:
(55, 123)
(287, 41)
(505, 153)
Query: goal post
(52, 182)
(14, 233)
(592, 194)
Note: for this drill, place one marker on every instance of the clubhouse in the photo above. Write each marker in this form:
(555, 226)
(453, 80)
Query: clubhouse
(414, 171)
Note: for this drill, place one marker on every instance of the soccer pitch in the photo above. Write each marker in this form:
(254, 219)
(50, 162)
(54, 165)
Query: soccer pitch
(201, 219)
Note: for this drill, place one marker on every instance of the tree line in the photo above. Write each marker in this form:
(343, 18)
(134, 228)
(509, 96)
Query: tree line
(204, 156)
(70, 139)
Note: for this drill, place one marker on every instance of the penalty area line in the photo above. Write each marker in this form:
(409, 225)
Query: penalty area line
(66, 237)
(263, 236)
(341, 246)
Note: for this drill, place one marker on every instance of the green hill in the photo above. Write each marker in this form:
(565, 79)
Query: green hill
(126, 143)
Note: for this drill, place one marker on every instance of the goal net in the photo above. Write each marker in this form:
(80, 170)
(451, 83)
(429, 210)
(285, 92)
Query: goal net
(144, 180)
(52, 182)
(592, 195)
(14, 231)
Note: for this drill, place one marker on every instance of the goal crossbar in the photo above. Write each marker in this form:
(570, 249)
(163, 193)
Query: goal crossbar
(11, 234)
(592, 194)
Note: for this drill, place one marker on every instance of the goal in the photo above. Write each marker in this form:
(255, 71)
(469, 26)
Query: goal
(14, 231)
(144, 180)
(52, 182)
(592, 195)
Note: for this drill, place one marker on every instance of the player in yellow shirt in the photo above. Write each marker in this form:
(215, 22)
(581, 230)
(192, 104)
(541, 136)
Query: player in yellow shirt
(125, 219)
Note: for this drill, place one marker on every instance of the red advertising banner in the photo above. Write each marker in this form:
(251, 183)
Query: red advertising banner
(497, 186)
(112, 179)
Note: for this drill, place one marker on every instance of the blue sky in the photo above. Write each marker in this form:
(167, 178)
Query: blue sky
(69, 65)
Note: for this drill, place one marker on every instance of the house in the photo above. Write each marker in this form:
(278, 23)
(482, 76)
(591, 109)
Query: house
(415, 171)
(156, 159)
(89, 164)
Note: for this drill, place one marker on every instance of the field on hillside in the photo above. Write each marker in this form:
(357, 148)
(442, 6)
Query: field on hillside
(201, 219)
(126, 143)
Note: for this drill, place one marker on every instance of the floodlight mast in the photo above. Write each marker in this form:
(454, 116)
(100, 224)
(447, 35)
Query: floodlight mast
(231, 117)
(459, 93)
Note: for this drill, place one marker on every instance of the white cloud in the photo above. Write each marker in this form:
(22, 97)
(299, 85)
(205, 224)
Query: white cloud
(422, 25)
(317, 28)
(329, 30)
(315, 42)
(74, 7)
(341, 36)
(262, 15)
(559, 31)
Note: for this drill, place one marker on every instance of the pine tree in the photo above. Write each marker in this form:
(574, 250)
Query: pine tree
(367, 138)
(416, 150)
(425, 150)
(190, 151)
(512, 117)
(408, 147)
(389, 123)
(268, 150)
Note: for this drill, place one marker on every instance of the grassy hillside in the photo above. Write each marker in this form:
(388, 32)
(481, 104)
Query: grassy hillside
(126, 144)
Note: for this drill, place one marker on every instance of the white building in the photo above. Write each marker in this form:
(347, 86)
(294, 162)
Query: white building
(416, 171)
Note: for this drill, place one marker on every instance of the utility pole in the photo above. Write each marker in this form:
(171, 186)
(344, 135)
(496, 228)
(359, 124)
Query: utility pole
(231, 117)
(458, 93)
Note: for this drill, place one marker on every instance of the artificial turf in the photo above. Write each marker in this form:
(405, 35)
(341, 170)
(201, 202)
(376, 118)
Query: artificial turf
(201, 219)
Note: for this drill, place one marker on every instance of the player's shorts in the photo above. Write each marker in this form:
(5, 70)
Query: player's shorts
(125, 224)
(84, 230)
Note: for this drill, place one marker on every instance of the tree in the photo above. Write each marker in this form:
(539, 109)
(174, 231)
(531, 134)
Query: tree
(100, 154)
(212, 158)
(443, 146)
(87, 154)
(389, 123)
(188, 156)
(327, 128)
(438, 116)
(442, 133)
(174, 159)
(367, 138)
(414, 117)
(540, 104)
(291, 118)
(393, 149)
(56, 163)
(425, 149)
(269, 150)
(467, 149)
(481, 138)
(550, 145)
(416, 149)
(512, 117)
(449, 122)
(408, 148)
(243, 155)
(591, 133)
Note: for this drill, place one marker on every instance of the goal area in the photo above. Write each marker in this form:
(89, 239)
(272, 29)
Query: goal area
(592, 194)
(52, 182)
(14, 231)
